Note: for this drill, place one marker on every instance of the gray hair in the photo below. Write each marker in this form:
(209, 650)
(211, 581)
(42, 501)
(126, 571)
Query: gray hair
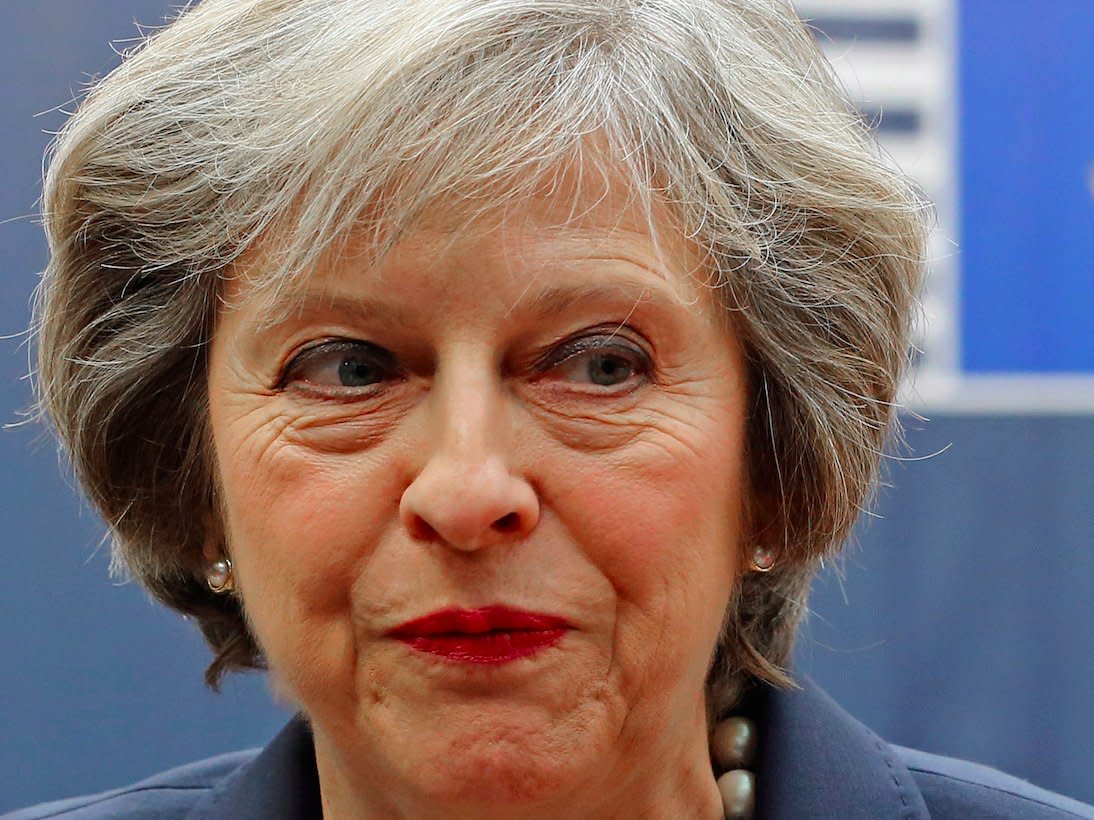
(301, 122)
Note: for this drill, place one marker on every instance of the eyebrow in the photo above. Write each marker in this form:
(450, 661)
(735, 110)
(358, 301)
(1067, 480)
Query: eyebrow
(290, 305)
(295, 305)
(558, 298)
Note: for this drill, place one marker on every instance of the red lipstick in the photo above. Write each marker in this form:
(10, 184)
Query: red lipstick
(491, 635)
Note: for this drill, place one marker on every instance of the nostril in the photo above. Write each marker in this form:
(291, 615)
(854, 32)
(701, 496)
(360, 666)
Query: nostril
(507, 523)
(421, 530)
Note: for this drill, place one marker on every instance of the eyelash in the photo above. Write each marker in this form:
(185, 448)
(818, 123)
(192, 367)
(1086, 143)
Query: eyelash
(322, 352)
(607, 343)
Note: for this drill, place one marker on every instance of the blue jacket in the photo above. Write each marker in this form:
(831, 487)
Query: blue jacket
(815, 761)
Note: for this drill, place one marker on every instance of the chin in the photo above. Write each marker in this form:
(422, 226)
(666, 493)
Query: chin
(504, 765)
(500, 779)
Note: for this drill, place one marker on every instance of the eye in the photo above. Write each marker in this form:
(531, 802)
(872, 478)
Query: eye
(602, 361)
(341, 365)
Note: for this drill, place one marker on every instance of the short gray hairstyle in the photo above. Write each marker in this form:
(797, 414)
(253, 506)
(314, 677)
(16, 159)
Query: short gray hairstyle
(311, 120)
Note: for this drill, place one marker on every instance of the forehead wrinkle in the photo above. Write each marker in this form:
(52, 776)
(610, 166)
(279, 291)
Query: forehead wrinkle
(559, 298)
(299, 304)
(569, 246)
(658, 284)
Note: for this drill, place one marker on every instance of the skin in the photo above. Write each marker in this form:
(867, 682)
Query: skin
(607, 488)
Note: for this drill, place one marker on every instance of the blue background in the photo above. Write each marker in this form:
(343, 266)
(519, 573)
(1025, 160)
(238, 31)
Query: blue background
(1027, 158)
(963, 625)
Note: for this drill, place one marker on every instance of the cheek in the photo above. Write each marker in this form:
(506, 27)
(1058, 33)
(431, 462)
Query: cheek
(286, 509)
(667, 504)
(664, 527)
(300, 524)
(289, 504)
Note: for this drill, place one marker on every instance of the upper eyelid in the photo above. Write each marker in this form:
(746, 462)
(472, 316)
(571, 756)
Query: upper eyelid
(322, 347)
(591, 342)
(340, 343)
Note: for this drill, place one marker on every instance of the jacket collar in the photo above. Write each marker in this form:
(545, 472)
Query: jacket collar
(814, 760)
(280, 781)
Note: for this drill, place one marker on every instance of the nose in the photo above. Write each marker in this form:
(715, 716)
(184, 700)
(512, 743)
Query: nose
(466, 494)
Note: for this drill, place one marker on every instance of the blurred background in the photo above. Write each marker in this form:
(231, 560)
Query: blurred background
(961, 619)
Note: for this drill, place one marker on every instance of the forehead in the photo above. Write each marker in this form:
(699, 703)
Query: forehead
(568, 227)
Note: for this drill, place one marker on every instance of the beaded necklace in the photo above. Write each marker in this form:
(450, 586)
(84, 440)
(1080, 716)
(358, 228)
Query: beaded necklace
(732, 751)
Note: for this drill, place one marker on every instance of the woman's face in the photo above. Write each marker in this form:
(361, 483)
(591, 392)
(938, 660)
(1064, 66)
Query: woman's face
(532, 430)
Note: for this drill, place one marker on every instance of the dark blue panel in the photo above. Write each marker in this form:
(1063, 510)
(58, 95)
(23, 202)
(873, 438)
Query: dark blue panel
(891, 120)
(1027, 157)
(898, 29)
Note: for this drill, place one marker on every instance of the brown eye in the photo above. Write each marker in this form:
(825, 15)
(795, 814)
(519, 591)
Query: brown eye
(343, 365)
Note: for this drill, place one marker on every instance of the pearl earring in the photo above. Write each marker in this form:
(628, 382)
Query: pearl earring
(219, 576)
(763, 559)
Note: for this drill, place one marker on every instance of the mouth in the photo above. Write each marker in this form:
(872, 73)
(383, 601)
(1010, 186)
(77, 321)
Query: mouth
(490, 635)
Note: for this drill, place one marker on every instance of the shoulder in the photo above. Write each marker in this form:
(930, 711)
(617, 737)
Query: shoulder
(169, 795)
(960, 789)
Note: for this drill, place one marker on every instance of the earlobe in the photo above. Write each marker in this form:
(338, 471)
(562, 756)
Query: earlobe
(217, 566)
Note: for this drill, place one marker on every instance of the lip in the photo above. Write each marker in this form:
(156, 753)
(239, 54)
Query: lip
(489, 635)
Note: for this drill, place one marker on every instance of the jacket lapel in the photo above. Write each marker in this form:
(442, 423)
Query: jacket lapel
(281, 781)
(815, 760)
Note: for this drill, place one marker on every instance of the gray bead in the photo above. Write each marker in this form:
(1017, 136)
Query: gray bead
(733, 743)
(738, 789)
